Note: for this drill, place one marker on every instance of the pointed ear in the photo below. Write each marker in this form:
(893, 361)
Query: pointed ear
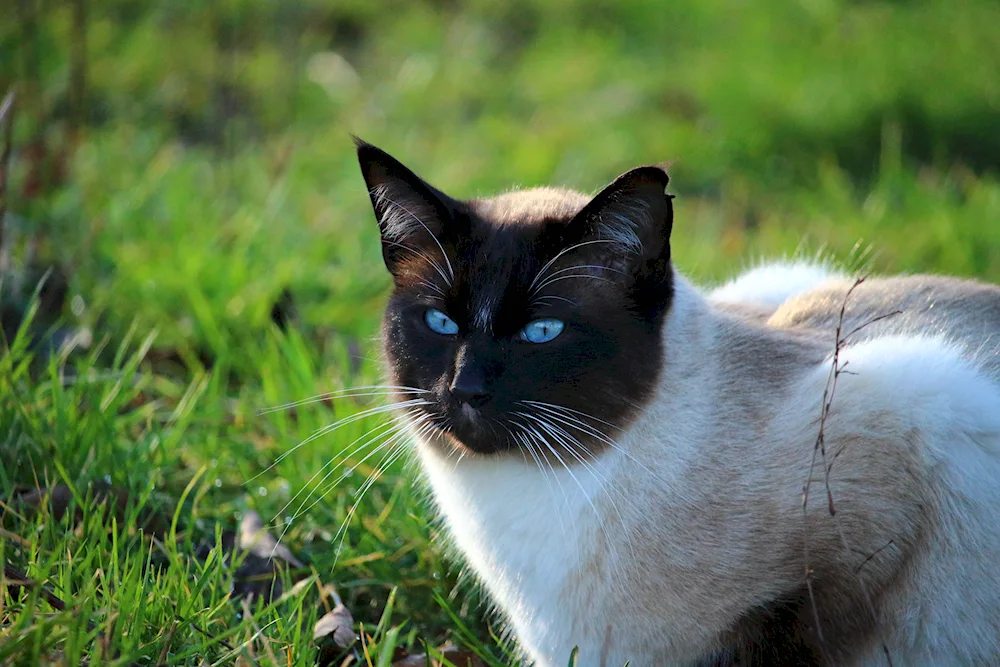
(631, 219)
(411, 214)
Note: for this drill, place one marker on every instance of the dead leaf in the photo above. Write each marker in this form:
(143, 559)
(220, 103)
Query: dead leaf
(337, 624)
(450, 653)
(257, 575)
(258, 541)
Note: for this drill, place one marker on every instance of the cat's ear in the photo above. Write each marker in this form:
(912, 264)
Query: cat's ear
(411, 214)
(631, 219)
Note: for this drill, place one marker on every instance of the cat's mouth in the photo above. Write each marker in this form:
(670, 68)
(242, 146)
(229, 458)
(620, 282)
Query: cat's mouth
(472, 429)
(547, 432)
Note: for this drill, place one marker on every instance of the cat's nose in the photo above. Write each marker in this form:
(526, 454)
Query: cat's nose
(470, 389)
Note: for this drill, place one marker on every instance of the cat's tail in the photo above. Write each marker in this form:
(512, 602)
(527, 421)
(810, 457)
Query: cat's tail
(771, 284)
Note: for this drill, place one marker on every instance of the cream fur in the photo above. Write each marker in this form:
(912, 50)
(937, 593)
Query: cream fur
(696, 516)
(773, 283)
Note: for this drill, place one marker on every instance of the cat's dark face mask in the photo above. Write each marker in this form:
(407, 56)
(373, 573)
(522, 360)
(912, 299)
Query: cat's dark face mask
(529, 321)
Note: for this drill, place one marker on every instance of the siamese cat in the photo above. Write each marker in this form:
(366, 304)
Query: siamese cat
(793, 469)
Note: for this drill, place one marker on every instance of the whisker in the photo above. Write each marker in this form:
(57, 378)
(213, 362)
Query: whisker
(342, 422)
(574, 422)
(567, 441)
(390, 457)
(549, 281)
(571, 410)
(369, 390)
(382, 429)
(552, 261)
(394, 453)
(599, 267)
(546, 297)
(571, 442)
(536, 456)
(431, 286)
(532, 432)
(580, 425)
(390, 443)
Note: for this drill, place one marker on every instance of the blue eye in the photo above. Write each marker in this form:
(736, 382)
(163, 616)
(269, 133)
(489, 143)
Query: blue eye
(542, 331)
(440, 323)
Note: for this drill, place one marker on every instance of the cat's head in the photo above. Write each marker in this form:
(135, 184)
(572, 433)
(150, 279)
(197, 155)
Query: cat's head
(529, 321)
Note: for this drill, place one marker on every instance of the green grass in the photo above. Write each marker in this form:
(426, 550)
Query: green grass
(212, 170)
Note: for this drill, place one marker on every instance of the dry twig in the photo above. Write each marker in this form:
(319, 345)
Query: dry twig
(15, 578)
(819, 451)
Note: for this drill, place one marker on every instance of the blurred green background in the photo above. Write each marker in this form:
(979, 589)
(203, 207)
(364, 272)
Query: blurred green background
(188, 170)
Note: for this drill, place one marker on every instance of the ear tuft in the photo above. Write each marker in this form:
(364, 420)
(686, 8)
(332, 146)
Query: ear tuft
(634, 213)
(410, 212)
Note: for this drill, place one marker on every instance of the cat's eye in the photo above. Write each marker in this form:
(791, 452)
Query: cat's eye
(542, 331)
(440, 323)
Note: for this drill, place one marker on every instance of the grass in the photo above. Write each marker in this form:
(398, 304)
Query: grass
(203, 169)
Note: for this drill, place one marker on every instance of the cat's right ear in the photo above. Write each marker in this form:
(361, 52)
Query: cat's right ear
(411, 213)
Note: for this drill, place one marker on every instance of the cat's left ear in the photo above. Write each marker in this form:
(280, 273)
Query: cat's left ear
(631, 218)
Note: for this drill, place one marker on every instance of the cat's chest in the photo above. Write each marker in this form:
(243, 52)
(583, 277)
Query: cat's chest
(532, 533)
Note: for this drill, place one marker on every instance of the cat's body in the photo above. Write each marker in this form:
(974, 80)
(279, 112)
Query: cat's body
(701, 521)
(672, 532)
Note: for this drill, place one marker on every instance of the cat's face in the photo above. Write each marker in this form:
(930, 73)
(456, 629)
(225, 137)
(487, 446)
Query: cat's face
(528, 322)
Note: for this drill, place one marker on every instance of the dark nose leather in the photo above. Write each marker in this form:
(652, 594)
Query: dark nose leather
(469, 387)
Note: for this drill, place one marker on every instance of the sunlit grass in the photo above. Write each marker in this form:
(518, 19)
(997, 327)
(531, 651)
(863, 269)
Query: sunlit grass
(862, 131)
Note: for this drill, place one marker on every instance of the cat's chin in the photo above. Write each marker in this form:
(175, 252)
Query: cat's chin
(473, 438)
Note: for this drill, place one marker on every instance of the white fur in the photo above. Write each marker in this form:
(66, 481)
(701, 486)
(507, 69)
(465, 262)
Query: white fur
(644, 556)
(774, 283)
(524, 566)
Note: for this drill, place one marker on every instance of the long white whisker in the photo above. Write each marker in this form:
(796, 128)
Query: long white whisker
(390, 443)
(583, 490)
(394, 453)
(602, 482)
(532, 432)
(323, 397)
(571, 410)
(578, 424)
(598, 267)
(379, 431)
(549, 281)
(552, 261)
(303, 508)
(431, 286)
(568, 419)
(571, 443)
(342, 422)
(553, 296)
(351, 392)
(526, 438)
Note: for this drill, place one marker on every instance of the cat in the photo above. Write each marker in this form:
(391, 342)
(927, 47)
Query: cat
(655, 474)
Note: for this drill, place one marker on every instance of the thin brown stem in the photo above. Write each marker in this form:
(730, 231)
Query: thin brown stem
(819, 452)
(16, 578)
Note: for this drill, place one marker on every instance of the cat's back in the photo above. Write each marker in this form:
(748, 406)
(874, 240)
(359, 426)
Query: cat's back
(964, 313)
(916, 427)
